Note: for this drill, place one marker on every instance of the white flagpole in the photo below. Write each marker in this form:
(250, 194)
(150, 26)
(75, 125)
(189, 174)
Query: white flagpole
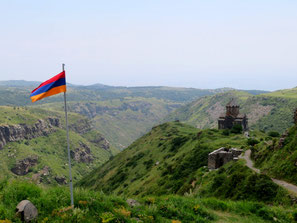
(68, 147)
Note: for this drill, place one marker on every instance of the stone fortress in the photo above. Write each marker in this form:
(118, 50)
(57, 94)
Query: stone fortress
(232, 117)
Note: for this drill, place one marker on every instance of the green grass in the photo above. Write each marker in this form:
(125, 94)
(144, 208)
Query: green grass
(164, 161)
(278, 162)
(90, 206)
(235, 181)
(286, 93)
(51, 150)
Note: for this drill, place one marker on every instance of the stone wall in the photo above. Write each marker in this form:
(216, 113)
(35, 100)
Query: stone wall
(222, 156)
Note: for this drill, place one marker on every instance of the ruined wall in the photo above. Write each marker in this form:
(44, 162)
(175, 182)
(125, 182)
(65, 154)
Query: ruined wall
(222, 156)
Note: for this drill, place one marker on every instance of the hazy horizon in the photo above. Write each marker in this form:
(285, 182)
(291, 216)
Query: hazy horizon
(198, 44)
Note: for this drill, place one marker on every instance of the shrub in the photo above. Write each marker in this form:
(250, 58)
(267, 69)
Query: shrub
(236, 129)
(252, 142)
(274, 134)
(226, 132)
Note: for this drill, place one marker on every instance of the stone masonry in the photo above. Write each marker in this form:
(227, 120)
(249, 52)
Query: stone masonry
(221, 156)
(232, 117)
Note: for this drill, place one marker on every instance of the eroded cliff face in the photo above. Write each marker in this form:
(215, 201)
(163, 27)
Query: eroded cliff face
(82, 154)
(81, 127)
(13, 133)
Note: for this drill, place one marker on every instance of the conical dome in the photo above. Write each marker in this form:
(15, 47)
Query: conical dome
(232, 103)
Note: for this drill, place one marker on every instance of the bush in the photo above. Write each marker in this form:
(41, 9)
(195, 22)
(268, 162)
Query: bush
(274, 134)
(252, 142)
(236, 129)
(226, 132)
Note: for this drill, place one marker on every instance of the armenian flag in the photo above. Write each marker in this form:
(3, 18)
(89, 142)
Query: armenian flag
(55, 85)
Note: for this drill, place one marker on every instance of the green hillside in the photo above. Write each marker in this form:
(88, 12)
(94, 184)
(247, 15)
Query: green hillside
(268, 112)
(121, 121)
(121, 114)
(164, 161)
(279, 161)
(53, 206)
(286, 93)
(40, 146)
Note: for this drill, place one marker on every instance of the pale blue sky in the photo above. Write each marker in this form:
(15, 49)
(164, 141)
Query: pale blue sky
(202, 44)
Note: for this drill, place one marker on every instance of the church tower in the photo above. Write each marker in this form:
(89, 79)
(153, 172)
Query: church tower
(232, 109)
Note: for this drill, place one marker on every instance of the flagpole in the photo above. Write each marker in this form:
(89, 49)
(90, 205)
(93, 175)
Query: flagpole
(68, 147)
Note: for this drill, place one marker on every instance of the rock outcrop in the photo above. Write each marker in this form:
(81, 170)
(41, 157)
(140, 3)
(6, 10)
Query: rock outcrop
(61, 180)
(23, 166)
(37, 177)
(101, 141)
(82, 154)
(13, 133)
(282, 139)
(81, 126)
(132, 203)
(27, 211)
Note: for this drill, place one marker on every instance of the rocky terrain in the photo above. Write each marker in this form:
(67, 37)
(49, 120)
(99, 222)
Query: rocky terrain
(33, 145)
(13, 133)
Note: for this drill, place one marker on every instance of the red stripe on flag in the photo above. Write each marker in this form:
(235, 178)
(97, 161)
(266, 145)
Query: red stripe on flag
(55, 78)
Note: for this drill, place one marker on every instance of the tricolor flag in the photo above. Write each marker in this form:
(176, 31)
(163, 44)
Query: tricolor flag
(55, 85)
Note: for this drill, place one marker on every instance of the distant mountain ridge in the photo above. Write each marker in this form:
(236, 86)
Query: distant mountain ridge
(19, 83)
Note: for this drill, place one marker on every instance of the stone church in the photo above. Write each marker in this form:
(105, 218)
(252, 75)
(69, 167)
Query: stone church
(232, 117)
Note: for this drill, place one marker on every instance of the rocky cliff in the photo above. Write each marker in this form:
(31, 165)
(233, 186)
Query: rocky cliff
(82, 126)
(13, 133)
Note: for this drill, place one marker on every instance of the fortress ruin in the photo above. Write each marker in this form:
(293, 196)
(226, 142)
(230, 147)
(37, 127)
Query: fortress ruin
(221, 156)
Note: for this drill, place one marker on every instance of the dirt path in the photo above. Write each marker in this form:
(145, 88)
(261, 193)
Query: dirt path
(249, 163)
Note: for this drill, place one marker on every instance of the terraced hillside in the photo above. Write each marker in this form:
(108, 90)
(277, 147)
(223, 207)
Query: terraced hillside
(33, 145)
(268, 112)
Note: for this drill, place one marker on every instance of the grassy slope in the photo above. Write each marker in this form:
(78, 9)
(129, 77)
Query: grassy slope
(163, 161)
(90, 206)
(50, 149)
(280, 163)
(286, 93)
(121, 121)
(236, 181)
(271, 111)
